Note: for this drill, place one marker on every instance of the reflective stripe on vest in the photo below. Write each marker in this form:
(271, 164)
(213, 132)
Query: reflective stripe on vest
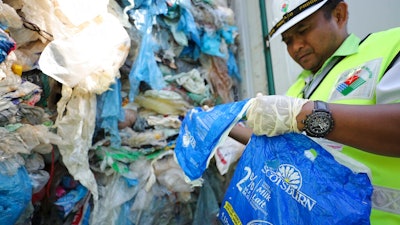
(386, 199)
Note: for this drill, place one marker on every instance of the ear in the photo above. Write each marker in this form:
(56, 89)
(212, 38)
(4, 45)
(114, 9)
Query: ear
(341, 14)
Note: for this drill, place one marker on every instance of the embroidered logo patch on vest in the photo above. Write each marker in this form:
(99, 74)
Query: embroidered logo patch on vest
(353, 82)
(358, 82)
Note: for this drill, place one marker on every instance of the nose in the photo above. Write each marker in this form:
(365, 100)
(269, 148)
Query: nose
(297, 45)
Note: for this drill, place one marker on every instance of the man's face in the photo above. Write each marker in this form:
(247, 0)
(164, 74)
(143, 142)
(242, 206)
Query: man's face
(313, 40)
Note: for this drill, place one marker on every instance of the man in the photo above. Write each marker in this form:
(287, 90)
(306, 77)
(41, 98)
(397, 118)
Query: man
(360, 80)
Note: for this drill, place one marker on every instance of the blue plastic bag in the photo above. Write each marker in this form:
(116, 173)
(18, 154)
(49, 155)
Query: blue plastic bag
(290, 179)
(7, 44)
(109, 112)
(200, 134)
(15, 194)
(145, 67)
(187, 24)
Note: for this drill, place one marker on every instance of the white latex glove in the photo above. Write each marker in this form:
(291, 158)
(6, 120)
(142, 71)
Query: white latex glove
(272, 115)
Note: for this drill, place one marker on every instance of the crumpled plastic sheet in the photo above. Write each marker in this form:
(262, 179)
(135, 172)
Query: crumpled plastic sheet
(78, 59)
(207, 204)
(8, 112)
(24, 89)
(16, 194)
(233, 69)
(145, 66)
(160, 122)
(211, 43)
(151, 137)
(12, 143)
(119, 190)
(35, 137)
(179, 36)
(74, 59)
(76, 128)
(163, 102)
(170, 175)
(9, 17)
(10, 163)
(187, 24)
(219, 78)
(34, 164)
(32, 114)
(10, 82)
(109, 112)
(191, 81)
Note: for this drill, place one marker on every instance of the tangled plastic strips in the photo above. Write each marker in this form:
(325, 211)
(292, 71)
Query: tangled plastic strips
(36, 28)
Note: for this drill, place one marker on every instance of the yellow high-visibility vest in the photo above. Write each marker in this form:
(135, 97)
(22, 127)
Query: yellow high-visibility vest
(353, 81)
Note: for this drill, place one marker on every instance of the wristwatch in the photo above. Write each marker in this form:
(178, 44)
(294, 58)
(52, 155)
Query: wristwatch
(320, 122)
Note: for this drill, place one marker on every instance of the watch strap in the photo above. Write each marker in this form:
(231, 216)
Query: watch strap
(320, 106)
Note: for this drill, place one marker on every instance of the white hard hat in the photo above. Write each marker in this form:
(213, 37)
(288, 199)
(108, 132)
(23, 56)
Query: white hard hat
(286, 13)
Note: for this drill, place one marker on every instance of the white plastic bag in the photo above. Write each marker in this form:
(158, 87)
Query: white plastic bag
(89, 46)
(90, 58)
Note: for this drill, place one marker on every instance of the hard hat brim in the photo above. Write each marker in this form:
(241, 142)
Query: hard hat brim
(304, 14)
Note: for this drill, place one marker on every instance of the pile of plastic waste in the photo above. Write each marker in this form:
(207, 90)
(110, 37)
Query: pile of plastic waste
(92, 98)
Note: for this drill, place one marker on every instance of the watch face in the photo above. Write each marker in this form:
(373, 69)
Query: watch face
(318, 124)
